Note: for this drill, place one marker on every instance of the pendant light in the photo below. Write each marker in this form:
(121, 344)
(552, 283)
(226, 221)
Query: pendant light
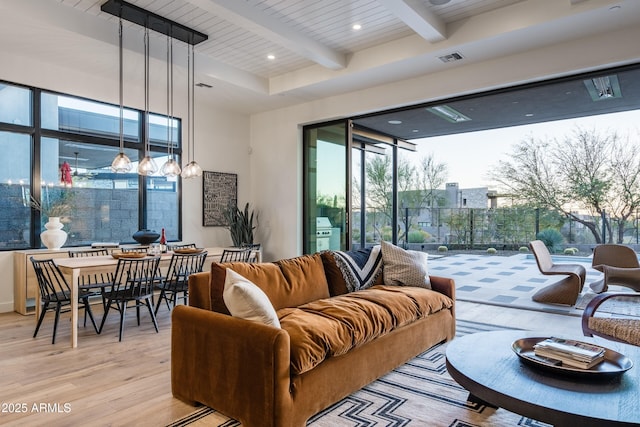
(193, 169)
(121, 164)
(171, 168)
(147, 166)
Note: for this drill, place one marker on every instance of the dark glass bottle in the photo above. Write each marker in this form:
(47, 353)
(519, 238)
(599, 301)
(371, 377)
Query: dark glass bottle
(163, 242)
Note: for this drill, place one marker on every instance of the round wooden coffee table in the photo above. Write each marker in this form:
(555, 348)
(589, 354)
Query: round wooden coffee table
(485, 365)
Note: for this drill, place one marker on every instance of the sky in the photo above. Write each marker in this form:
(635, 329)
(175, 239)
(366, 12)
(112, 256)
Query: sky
(469, 156)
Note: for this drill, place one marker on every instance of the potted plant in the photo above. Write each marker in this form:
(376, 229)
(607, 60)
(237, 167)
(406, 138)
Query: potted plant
(240, 224)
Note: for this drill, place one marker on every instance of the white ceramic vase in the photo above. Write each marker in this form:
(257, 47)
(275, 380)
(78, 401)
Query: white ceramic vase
(53, 237)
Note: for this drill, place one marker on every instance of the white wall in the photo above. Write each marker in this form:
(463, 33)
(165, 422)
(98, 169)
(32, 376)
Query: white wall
(276, 138)
(222, 144)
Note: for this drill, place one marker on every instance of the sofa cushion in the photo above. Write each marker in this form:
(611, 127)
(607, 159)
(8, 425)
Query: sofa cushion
(305, 278)
(247, 301)
(403, 267)
(338, 283)
(267, 276)
(331, 327)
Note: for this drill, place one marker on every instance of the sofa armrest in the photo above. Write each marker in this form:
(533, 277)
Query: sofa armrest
(239, 367)
(444, 285)
(200, 290)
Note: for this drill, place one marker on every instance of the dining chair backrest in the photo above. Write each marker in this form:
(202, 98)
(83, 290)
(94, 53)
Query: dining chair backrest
(235, 255)
(134, 277)
(181, 246)
(92, 280)
(142, 249)
(254, 248)
(88, 253)
(182, 266)
(51, 282)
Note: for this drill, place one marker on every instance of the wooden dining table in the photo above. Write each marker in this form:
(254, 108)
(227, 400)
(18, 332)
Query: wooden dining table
(74, 268)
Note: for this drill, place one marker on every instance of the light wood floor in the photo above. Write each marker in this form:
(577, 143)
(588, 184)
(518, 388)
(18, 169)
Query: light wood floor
(106, 382)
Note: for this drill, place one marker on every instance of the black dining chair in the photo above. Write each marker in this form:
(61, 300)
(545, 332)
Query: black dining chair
(55, 294)
(133, 281)
(236, 255)
(95, 283)
(176, 281)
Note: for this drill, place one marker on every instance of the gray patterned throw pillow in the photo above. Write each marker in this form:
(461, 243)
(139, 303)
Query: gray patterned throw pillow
(403, 267)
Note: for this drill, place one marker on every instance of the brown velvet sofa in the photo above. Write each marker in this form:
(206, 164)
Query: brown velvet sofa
(264, 376)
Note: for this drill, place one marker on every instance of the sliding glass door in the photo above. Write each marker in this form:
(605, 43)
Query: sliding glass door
(350, 187)
(326, 168)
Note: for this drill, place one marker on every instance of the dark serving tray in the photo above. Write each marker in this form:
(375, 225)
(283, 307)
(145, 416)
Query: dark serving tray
(613, 364)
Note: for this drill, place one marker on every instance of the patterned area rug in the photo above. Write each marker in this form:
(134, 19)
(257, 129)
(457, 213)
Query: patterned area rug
(505, 281)
(418, 393)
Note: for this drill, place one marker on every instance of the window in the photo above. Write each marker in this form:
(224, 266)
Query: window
(71, 166)
(15, 105)
(15, 229)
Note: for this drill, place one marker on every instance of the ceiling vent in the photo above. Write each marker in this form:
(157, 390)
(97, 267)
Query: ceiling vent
(455, 56)
(603, 88)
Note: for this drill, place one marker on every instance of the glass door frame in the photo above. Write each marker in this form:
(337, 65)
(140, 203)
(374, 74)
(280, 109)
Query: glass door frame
(355, 138)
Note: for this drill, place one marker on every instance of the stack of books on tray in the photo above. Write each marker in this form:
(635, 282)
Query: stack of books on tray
(571, 353)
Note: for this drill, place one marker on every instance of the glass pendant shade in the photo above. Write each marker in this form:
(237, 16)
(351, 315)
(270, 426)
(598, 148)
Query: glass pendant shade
(121, 164)
(192, 170)
(147, 166)
(170, 168)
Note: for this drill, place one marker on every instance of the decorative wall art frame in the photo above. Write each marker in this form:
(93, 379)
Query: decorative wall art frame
(219, 189)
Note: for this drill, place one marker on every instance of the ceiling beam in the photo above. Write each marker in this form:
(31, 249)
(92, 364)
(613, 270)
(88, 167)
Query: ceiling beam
(244, 15)
(421, 20)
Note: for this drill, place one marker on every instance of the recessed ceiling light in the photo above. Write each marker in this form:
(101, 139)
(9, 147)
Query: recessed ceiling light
(395, 122)
(415, 131)
(529, 115)
(356, 27)
(271, 57)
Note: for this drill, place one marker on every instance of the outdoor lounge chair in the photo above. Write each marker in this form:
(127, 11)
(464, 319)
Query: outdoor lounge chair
(620, 266)
(623, 327)
(564, 291)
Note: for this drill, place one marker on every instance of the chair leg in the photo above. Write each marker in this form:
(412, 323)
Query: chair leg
(87, 310)
(162, 296)
(122, 312)
(41, 318)
(153, 316)
(106, 313)
(55, 322)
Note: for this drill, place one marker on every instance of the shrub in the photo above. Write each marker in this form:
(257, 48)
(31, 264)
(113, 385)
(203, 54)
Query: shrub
(442, 249)
(523, 249)
(418, 236)
(571, 251)
(492, 251)
(551, 238)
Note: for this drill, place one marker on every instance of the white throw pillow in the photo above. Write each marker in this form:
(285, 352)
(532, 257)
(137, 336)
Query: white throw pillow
(247, 301)
(404, 268)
